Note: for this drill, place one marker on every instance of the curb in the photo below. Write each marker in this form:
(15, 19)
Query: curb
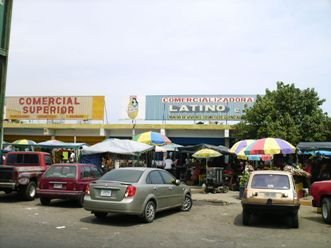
(219, 202)
(305, 202)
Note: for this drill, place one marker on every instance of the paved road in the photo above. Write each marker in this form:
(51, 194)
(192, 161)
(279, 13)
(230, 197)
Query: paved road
(64, 224)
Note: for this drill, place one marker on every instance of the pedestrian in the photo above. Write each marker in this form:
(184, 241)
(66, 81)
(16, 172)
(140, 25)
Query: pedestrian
(168, 164)
(72, 157)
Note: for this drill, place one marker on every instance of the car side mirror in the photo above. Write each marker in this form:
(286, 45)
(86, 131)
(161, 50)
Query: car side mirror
(176, 182)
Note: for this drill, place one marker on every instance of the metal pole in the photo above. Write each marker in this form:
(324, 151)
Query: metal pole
(133, 128)
(6, 9)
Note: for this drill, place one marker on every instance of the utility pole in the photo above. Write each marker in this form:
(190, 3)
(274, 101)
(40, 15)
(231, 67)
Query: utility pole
(5, 23)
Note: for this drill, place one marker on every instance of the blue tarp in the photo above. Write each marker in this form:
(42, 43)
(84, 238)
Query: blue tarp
(92, 159)
(317, 153)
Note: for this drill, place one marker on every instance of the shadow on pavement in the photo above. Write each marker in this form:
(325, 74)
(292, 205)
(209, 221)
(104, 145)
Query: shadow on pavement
(123, 220)
(265, 221)
(62, 203)
(9, 198)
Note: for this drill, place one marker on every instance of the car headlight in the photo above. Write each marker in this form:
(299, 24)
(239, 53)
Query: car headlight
(23, 180)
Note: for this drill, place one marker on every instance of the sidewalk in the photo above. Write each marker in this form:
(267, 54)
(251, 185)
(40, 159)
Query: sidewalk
(229, 198)
(224, 198)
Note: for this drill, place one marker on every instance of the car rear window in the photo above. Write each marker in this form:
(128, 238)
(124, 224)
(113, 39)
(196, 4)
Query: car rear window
(61, 171)
(22, 159)
(270, 181)
(128, 176)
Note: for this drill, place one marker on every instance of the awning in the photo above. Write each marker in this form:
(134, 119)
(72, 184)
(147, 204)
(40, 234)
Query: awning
(314, 146)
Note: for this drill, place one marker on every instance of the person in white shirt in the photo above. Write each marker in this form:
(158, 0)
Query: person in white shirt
(72, 157)
(168, 164)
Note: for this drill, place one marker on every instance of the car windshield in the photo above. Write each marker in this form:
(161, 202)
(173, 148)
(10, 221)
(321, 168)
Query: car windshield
(128, 176)
(61, 171)
(270, 181)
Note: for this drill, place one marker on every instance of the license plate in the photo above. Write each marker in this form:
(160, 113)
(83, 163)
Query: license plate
(57, 186)
(105, 192)
(270, 194)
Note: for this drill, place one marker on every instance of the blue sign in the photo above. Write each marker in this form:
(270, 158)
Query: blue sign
(197, 107)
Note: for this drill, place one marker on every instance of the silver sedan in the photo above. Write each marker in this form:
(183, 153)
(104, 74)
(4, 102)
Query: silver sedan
(136, 191)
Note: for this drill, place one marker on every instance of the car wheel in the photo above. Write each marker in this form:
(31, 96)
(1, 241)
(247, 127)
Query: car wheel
(326, 210)
(28, 192)
(81, 200)
(45, 201)
(295, 220)
(149, 212)
(100, 215)
(187, 203)
(225, 189)
(246, 217)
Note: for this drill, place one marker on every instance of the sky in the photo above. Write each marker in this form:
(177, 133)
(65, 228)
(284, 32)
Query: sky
(119, 48)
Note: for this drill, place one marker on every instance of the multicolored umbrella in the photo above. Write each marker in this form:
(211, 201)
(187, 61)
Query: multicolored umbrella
(240, 146)
(152, 138)
(24, 142)
(263, 157)
(269, 146)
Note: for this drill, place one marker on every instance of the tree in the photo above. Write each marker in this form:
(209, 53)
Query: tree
(288, 113)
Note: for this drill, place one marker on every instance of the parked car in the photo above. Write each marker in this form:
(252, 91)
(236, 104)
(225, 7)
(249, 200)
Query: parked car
(321, 192)
(271, 192)
(136, 191)
(66, 181)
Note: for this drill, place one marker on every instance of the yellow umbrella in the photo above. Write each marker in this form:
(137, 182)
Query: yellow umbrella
(207, 153)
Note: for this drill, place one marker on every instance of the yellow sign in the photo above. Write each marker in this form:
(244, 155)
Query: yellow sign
(55, 108)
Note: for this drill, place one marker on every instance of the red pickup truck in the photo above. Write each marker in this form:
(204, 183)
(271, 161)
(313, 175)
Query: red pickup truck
(321, 193)
(21, 172)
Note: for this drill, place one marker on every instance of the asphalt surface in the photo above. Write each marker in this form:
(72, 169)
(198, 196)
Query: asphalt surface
(210, 223)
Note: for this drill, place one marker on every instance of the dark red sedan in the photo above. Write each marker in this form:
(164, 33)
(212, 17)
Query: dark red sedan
(66, 181)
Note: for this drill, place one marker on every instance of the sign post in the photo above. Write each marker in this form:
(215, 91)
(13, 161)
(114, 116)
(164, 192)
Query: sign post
(5, 22)
(133, 109)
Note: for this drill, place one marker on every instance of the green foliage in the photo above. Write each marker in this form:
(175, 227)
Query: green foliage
(244, 179)
(288, 113)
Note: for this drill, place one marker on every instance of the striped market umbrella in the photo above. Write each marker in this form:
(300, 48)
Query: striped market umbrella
(262, 157)
(24, 142)
(152, 138)
(269, 146)
(240, 146)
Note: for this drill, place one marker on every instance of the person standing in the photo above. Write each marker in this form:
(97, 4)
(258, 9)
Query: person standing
(72, 157)
(168, 164)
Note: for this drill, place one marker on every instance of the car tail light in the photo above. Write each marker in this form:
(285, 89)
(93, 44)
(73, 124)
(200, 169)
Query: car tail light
(130, 191)
(87, 190)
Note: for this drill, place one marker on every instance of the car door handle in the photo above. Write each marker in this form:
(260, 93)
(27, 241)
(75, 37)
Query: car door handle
(155, 188)
(171, 188)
